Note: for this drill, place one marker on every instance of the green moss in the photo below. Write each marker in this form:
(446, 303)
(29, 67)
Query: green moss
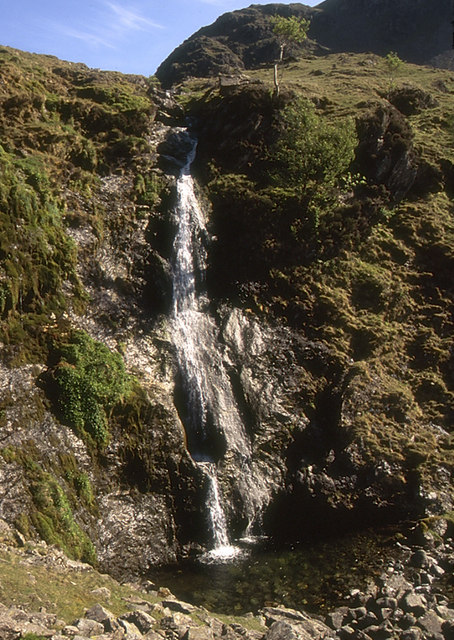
(54, 520)
(52, 501)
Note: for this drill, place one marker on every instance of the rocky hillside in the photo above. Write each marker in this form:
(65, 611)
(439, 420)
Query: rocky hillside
(44, 595)
(329, 248)
(417, 31)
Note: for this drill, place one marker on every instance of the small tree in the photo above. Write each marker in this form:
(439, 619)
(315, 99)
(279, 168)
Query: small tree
(288, 31)
(393, 64)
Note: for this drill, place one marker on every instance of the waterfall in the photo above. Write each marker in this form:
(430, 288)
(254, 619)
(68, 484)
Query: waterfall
(218, 524)
(213, 424)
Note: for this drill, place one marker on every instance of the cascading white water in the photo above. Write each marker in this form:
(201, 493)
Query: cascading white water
(213, 422)
(222, 547)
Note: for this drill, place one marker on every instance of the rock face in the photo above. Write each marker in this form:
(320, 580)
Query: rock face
(417, 31)
(244, 39)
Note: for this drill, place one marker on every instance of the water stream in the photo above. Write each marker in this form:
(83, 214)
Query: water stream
(211, 417)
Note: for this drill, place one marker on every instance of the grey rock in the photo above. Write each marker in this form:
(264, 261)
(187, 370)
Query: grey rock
(407, 620)
(387, 603)
(357, 613)
(444, 612)
(153, 635)
(70, 630)
(380, 632)
(199, 633)
(132, 632)
(99, 614)
(370, 619)
(303, 623)
(437, 571)
(397, 586)
(420, 559)
(179, 605)
(282, 630)
(335, 619)
(396, 616)
(424, 578)
(88, 627)
(101, 592)
(357, 599)
(384, 614)
(414, 603)
(142, 620)
(430, 623)
(413, 633)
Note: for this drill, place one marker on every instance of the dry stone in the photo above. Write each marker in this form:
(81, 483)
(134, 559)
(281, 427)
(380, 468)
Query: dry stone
(414, 603)
(153, 635)
(132, 632)
(431, 624)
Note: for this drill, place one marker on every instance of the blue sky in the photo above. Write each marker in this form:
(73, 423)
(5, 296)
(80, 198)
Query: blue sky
(132, 36)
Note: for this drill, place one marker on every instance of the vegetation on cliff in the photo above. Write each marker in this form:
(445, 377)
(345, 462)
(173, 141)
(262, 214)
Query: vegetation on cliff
(332, 220)
(65, 132)
(359, 262)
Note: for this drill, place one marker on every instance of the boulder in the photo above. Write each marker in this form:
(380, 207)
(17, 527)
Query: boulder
(414, 603)
(282, 630)
(103, 616)
(298, 621)
(88, 627)
(199, 633)
(420, 559)
(132, 632)
(179, 606)
(413, 633)
(385, 154)
(142, 620)
(411, 100)
(431, 624)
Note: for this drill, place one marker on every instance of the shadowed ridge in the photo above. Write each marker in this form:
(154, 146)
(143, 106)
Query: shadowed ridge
(417, 31)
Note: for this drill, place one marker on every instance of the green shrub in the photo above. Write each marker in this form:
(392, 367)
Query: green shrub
(309, 149)
(87, 381)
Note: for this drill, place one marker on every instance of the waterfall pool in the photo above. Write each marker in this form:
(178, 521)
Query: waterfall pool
(315, 576)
